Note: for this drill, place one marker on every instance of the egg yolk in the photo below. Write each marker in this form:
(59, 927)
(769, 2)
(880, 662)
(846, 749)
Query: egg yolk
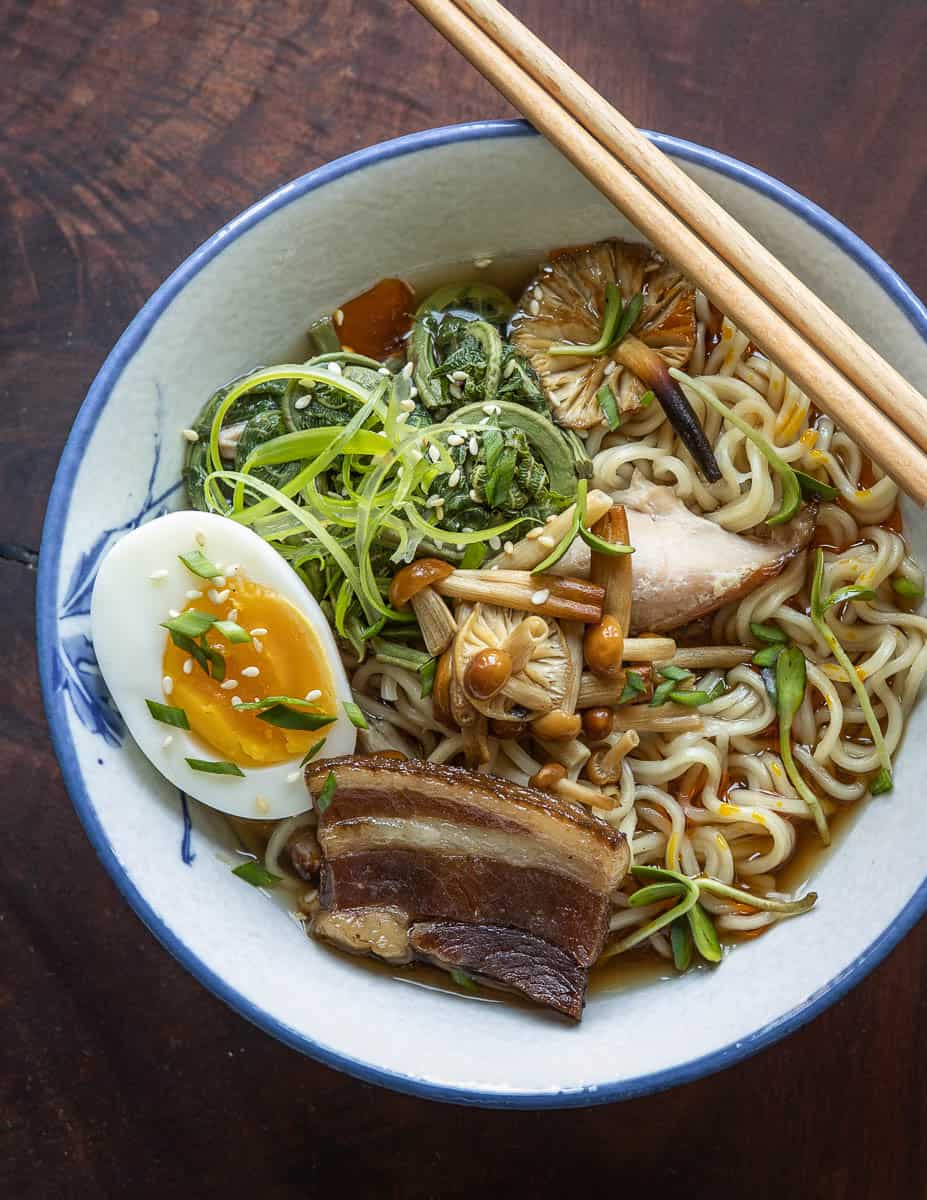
(284, 658)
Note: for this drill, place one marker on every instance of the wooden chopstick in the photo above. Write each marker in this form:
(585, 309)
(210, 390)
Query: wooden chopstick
(802, 362)
(820, 325)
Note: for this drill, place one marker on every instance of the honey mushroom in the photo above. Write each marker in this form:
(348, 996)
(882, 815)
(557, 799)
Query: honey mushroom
(492, 653)
(603, 644)
(604, 766)
(414, 585)
(552, 777)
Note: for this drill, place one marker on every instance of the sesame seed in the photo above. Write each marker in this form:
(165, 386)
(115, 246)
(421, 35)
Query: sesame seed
(384, 371)
(258, 631)
(508, 548)
(402, 418)
(193, 594)
(228, 685)
(407, 371)
(413, 391)
(459, 376)
(434, 454)
(200, 538)
(534, 308)
(157, 575)
(407, 405)
(534, 533)
(509, 368)
(339, 317)
(335, 368)
(251, 672)
(495, 543)
(546, 541)
(236, 700)
(188, 666)
(294, 776)
(261, 804)
(549, 520)
(474, 446)
(314, 695)
(218, 597)
(454, 477)
(167, 741)
(537, 293)
(456, 391)
(258, 645)
(610, 368)
(302, 402)
(541, 596)
(455, 440)
(488, 409)
(481, 263)
(173, 612)
(167, 685)
(468, 529)
(233, 614)
(474, 496)
(232, 568)
(190, 435)
(218, 581)
(433, 501)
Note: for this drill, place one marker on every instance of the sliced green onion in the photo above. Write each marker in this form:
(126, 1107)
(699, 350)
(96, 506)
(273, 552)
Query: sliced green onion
(312, 752)
(257, 874)
(633, 686)
(662, 692)
(791, 680)
(704, 934)
(463, 980)
(609, 406)
(768, 633)
(354, 714)
(182, 642)
(326, 795)
(791, 493)
(594, 542)
(842, 595)
(693, 698)
(768, 655)
(167, 714)
(882, 783)
(231, 631)
(676, 673)
(197, 562)
(812, 488)
(610, 319)
(426, 677)
(681, 942)
(215, 768)
(394, 654)
(819, 606)
(284, 717)
(632, 310)
(579, 515)
(191, 623)
(647, 399)
(907, 588)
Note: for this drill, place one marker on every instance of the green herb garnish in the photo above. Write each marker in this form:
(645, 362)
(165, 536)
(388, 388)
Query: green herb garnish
(312, 752)
(231, 631)
(770, 634)
(256, 874)
(215, 768)
(681, 942)
(354, 714)
(907, 588)
(882, 783)
(634, 685)
(426, 677)
(610, 324)
(768, 655)
(812, 488)
(463, 980)
(192, 623)
(285, 717)
(647, 399)
(704, 934)
(819, 607)
(197, 562)
(474, 556)
(791, 678)
(609, 406)
(579, 513)
(326, 795)
(678, 674)
(167, 714)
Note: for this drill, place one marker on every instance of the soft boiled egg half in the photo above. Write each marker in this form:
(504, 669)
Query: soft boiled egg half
(243, 678)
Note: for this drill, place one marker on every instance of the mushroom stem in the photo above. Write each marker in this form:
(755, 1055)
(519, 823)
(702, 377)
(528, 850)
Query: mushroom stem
(547, 595)
(523, 640)
(653, 371)
(569, 789)
(528, 695)
(649, 649)
(528, 552)
(605, 765)
(668, 718)
(697, 657)
(434, 619)
(613, 571)
(599, 693)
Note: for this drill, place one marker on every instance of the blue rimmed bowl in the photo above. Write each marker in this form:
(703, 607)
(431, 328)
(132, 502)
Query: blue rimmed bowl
(416, 207)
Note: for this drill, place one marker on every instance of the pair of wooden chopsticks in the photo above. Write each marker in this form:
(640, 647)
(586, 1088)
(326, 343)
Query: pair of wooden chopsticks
(843, 375)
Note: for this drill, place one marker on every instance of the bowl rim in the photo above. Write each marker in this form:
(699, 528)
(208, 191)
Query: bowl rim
(130, 341)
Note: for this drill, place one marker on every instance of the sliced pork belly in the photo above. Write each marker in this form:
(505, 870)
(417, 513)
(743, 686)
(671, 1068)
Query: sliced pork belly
(685, 566)
(447, 845)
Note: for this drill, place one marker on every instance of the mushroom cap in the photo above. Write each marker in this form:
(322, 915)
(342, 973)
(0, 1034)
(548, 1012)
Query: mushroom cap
(569, 296)
(487, 626)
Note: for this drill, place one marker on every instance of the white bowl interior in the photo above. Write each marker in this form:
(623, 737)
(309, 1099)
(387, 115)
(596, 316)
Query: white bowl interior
(408, 214)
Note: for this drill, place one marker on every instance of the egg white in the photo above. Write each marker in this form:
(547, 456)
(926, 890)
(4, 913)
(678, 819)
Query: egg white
(126, 612)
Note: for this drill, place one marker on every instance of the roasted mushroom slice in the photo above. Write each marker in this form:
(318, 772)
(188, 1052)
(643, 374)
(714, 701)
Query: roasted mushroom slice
(602, 325)
(566, 301)
(512, 666)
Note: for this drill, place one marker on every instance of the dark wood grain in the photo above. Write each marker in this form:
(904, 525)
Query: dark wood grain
(128, 133)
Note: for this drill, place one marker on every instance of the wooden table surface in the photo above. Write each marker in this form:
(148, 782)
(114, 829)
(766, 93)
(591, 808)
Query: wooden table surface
(130, 132)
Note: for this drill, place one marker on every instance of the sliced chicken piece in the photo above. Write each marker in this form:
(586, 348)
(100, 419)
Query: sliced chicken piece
(684, 565)
(444, 844)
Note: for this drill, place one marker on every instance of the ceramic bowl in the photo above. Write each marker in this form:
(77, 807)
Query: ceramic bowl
(411, 207)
